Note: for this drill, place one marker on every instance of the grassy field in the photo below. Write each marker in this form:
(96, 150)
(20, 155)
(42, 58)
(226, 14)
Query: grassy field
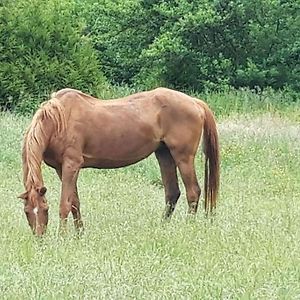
(250, 251)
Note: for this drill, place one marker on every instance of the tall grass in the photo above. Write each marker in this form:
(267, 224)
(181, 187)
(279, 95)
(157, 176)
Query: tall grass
(250, 250)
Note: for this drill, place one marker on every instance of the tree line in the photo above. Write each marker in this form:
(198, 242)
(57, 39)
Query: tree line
(189, 45)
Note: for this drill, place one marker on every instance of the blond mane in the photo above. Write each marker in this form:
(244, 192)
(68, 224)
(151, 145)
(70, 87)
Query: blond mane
(36, 139)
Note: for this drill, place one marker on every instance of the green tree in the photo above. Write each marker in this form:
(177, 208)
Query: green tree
(42, 49)
(198, 44)
(120, 31)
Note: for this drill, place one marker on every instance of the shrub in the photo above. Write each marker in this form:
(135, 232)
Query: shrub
(42, 49)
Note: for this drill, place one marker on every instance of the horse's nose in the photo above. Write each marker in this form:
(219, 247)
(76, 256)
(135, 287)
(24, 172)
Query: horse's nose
(40, 230)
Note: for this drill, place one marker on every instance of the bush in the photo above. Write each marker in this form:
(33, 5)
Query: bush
(42, 49)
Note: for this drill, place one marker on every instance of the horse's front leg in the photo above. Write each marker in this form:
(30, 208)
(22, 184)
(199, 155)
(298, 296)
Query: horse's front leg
(69, 197)
(76, 212)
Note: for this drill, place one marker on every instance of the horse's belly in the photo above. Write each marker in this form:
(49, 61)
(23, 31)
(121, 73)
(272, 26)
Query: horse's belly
(119, 141)
(110, 164)
(116, 155)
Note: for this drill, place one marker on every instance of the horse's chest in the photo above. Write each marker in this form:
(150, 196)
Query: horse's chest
(53, 157)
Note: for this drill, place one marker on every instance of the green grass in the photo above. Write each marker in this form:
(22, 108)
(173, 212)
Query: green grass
(250, 251)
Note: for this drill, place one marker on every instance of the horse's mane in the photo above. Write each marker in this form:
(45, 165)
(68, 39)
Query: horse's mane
(37, 137)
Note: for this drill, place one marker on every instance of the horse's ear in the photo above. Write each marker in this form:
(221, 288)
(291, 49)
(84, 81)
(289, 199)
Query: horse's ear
(23, 196)
(42, 191)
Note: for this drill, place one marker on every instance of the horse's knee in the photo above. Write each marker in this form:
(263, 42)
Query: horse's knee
(64, 210)
(198, 191)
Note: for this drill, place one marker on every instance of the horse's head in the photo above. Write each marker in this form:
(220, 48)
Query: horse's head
(36, 209)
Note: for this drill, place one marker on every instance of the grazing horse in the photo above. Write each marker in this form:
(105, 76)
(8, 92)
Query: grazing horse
(73, 130)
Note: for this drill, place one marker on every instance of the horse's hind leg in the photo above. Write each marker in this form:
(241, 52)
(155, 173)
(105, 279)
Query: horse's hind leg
(185, 163)
(169, 178)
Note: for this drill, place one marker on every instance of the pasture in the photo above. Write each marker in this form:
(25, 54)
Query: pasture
(250, 250)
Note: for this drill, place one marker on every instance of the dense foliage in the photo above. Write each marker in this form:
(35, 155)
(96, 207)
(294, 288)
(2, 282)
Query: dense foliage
(189, 45)
(42, 49)
(198, 44)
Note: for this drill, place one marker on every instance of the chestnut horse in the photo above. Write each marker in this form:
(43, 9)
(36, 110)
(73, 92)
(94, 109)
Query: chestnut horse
(74, 130)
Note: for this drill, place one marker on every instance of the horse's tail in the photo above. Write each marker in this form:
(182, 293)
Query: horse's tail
(212, 160)
(47, 120)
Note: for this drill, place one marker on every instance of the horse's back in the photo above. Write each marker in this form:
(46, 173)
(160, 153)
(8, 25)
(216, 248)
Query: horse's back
(133, 124)
(158, 98)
